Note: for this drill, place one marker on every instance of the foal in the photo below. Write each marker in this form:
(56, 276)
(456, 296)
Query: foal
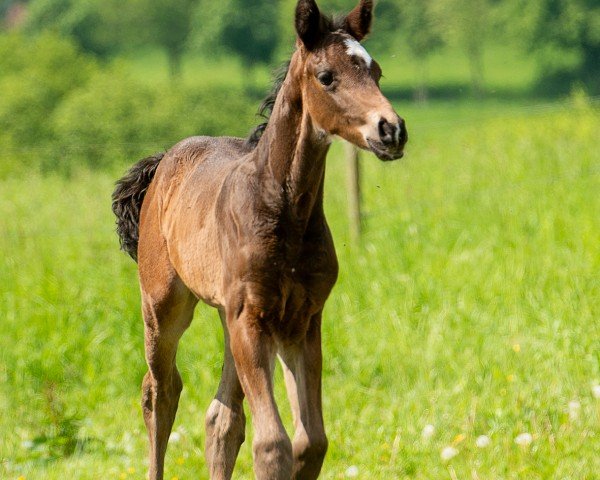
(240, 225)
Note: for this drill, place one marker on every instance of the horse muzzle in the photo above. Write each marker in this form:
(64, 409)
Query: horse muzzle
(392, 139)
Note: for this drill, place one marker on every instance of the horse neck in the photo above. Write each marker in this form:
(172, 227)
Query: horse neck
(292, 151)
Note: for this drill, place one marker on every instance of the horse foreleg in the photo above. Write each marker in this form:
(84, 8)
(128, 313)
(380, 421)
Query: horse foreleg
(225, 419)
(254, 352)
(302, 366)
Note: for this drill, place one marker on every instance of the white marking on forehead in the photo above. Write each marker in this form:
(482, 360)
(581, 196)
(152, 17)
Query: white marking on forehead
(355, 49)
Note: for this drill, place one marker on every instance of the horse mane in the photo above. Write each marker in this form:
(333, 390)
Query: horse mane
(332, 24)
(266, 107)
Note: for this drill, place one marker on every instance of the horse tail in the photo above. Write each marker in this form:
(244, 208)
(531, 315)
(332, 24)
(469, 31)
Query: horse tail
(127, 201)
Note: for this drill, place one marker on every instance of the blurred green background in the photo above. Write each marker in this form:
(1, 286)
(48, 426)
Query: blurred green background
(99, 82)
(462, 339)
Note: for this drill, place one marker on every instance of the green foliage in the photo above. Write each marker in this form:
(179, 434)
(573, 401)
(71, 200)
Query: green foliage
(420, 28)
(466, 24)
(36, 73)
(240, 27)
(84, 21)
(58, 111)
(168, 24)
(422, 36)
(115, 119)
(104, 27)
(564, 35)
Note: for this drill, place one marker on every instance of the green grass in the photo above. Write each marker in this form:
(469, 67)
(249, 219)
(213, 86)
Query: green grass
(450, 68)
(472, 304)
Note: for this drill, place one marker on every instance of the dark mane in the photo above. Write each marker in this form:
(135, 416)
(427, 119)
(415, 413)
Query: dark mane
(266, 107)
(332, 24)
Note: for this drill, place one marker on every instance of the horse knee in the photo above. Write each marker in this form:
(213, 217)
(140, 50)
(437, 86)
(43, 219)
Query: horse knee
(166, 389)
(147, 394)
(176, 383)
(273, 457)
(311, 450)
(223, 422)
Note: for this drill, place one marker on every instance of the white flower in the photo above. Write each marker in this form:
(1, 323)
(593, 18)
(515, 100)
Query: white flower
(428, 431)
(483, 441)
(574, 407)
(596, 391)
(523, 439)
(174, 437)
(448, 453)
(128, 443)
(352, 471)
(28, 444)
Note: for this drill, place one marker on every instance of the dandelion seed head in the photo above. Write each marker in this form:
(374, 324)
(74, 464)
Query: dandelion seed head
(428, 432)
(128, 443)
(596, 391)
(483, 441)
(448, 453)
(524, 439)
(28, 444)
(352, 471)
(574, 408)
(174, 437)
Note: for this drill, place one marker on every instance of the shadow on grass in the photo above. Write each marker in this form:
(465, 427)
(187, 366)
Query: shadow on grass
(539, 92)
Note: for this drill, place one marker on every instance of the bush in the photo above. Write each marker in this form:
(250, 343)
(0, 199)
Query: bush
(115, 120)
(35, 75)
(59, 110)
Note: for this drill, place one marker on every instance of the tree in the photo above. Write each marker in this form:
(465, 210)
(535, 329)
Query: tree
(245, 28)
(422, 34)
(565, 37)
(80, 20)
(465, 24)
(169, 25)
(104, 27)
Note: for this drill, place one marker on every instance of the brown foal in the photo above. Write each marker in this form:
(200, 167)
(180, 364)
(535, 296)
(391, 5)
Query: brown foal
(239, 224)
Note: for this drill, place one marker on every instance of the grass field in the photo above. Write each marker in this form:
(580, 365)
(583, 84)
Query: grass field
(472, 305)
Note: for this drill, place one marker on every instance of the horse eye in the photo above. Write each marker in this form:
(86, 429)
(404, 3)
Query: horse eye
(326, 78)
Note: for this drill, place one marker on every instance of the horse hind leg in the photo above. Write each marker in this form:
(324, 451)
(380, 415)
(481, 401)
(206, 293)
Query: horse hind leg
(225, 419)
(167, 313)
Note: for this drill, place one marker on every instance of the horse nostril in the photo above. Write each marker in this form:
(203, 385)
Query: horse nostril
(387, 132)
(403, 133)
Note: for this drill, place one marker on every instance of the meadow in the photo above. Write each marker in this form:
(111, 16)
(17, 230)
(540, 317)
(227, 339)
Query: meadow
(470, 308)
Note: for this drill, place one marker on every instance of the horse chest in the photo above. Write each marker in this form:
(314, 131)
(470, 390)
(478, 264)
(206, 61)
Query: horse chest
(291, 290)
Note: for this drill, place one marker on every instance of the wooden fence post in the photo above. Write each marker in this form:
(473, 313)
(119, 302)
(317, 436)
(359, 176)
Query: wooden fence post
(353, 191)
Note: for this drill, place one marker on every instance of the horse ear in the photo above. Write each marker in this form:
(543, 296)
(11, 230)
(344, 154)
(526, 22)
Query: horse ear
(358, 21)
(308, 22)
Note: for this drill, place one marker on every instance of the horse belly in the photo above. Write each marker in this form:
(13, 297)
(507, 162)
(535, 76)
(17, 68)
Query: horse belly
(194, 251)
(195, 262)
